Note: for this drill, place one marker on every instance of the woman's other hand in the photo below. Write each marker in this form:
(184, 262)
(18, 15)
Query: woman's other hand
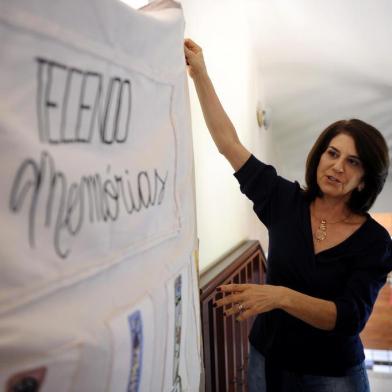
(194, 59)
(247, 300)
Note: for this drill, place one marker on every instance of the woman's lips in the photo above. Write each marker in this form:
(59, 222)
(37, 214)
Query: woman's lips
(333, 179)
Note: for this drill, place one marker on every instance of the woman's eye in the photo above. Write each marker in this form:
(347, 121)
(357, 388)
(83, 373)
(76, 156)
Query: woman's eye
(353, 162)
(332, 153)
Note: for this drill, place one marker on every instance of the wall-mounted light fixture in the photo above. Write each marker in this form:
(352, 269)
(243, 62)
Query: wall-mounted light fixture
(263, 117)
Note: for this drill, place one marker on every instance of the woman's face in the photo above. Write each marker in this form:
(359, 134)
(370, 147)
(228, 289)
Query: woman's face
(340, 170)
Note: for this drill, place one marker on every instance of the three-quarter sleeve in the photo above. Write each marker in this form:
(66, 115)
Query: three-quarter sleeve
(269, 192)
(355, 305)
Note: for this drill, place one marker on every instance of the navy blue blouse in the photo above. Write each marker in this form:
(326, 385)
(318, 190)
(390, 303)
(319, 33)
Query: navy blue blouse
(350, 274)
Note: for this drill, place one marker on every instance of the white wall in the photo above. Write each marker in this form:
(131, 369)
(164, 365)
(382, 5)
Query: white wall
(224, 215)
(383, 202)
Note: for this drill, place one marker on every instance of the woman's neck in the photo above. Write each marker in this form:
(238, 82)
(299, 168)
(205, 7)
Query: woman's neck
(330, 209)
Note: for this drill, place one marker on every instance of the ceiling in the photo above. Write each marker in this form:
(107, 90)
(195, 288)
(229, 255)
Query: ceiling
(320, 61)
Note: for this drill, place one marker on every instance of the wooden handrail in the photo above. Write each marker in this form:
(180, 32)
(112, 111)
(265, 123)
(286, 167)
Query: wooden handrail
(225, 340)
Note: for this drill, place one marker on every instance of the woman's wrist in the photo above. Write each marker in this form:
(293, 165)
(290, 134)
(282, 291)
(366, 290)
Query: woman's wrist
(200, 76)
(283, 298)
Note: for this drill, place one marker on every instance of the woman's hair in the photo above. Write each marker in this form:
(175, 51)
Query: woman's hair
(373, 152)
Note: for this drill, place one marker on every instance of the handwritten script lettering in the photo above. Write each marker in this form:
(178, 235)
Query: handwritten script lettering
(72, 107)
(94, 198)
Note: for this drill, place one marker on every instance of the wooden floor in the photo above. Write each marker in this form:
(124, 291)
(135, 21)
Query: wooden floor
(378, 331)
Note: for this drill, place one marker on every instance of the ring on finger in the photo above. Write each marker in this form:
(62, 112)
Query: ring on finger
(241, 307)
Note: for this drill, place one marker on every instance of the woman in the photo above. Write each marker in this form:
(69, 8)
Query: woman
(327, 257)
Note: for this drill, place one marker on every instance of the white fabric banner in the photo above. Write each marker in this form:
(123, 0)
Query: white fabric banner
(88, 158)
(133, 348)
(54, 372)
(97, 202)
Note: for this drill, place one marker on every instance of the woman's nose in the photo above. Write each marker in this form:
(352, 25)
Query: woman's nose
(338, 167)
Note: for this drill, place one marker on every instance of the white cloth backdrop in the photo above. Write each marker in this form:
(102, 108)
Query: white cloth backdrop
(97, 203)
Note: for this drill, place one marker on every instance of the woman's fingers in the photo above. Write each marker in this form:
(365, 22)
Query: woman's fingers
(236, 294)
(241, 310)
(236, 308)
(190, 51)
(187, 54)
(246, 300)
(194, 58)
(228, 288)
(191, 45)
(228, 299)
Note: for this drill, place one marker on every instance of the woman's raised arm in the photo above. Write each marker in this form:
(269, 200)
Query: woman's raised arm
(221, 128)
